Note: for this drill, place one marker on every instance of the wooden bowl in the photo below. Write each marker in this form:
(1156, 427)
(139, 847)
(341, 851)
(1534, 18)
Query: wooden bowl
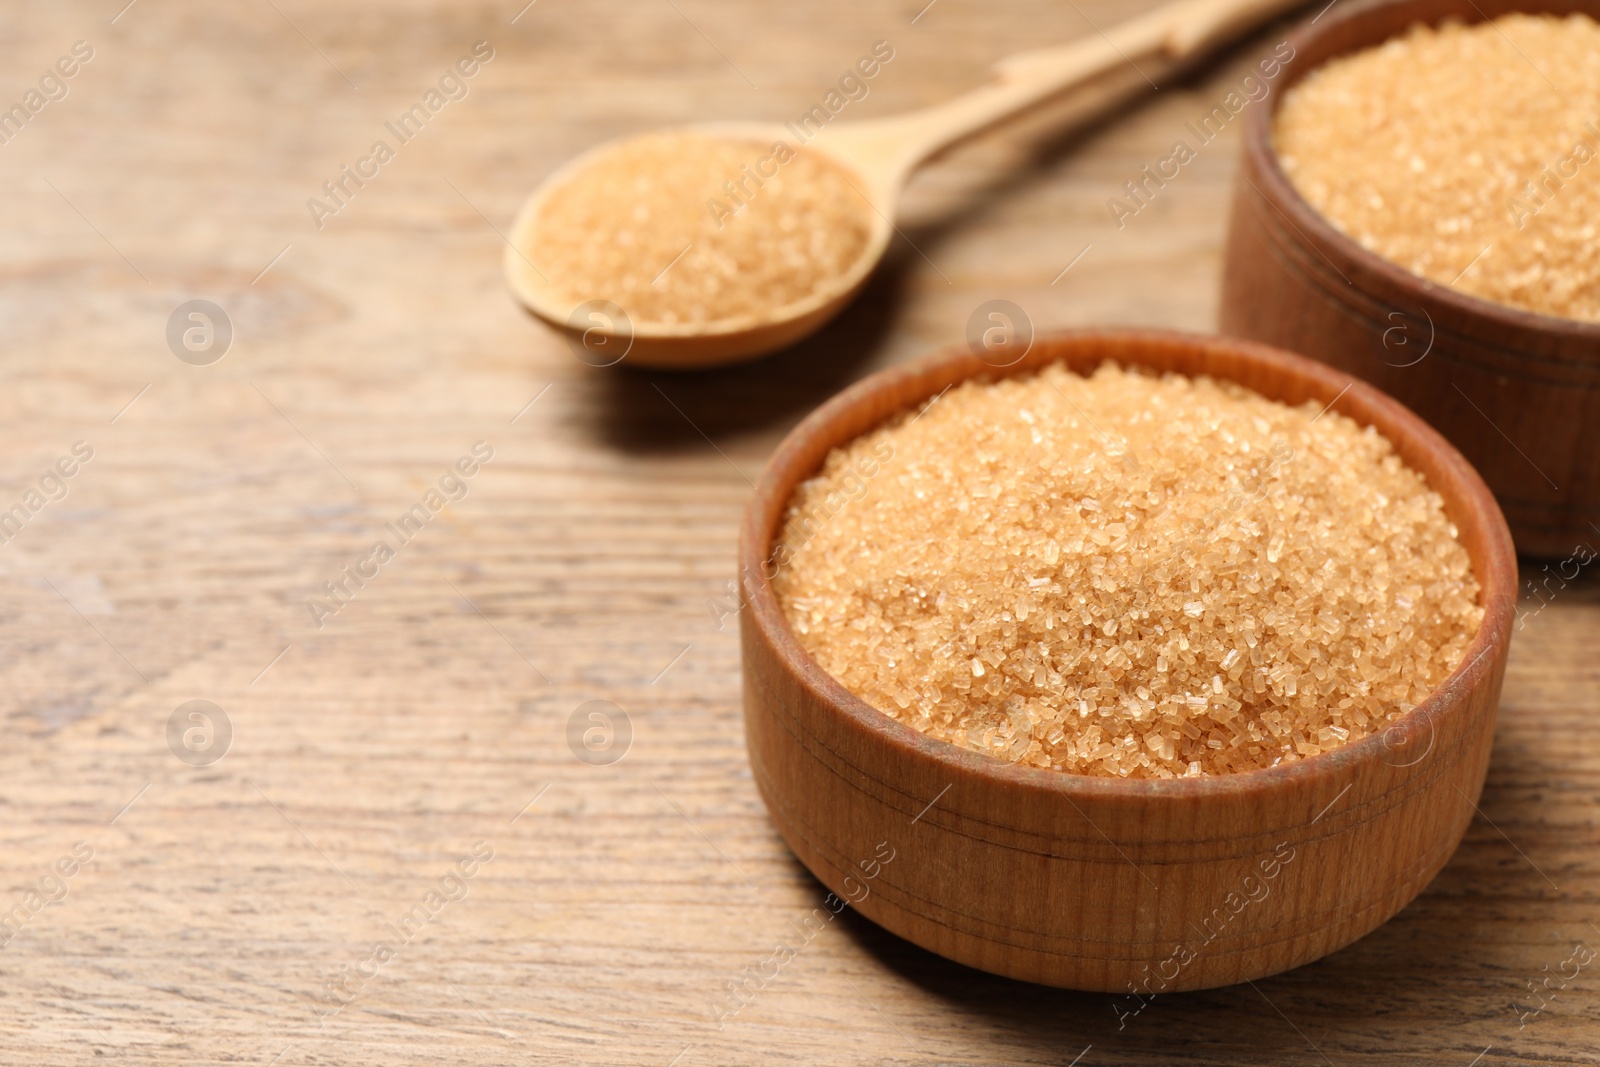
(1516, 392)
(1112, 884)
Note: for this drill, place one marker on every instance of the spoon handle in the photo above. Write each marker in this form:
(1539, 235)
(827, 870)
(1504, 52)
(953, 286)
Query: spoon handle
(1169, 35)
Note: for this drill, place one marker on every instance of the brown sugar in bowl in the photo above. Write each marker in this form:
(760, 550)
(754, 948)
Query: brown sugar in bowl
(1517, 392)
(1141, 885)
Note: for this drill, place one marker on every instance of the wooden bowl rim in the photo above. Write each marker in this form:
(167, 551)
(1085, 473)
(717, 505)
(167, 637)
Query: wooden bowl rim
(1496, 572)
(1281, 193)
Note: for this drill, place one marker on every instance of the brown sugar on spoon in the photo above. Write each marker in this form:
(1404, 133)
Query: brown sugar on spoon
(680, 227)
(1125, 575)
(1469, 155)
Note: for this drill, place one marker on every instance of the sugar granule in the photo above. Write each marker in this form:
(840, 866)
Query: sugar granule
(692, 229)
(1127, 575)
(1449, 152)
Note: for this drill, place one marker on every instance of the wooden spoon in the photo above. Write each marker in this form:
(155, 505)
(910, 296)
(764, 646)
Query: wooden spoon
(880, 154)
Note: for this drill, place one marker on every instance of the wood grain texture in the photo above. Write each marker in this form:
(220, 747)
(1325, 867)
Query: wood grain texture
(1124, 886)
(381, 747)
(1486, 375)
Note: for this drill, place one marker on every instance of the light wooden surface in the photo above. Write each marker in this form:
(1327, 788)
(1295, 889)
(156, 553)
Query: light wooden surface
(426, 715)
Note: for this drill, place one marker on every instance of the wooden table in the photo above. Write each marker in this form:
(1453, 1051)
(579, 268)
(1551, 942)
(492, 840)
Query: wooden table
(374, 747)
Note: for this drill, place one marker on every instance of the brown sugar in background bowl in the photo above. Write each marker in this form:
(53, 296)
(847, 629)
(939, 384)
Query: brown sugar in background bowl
(1112, 884)
(1517, 392)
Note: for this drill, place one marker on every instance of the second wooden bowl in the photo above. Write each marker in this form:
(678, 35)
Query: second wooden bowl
(1130, 886)
(1516, 392)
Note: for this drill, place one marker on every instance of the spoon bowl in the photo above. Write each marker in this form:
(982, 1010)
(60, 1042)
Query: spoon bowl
(605, 331)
